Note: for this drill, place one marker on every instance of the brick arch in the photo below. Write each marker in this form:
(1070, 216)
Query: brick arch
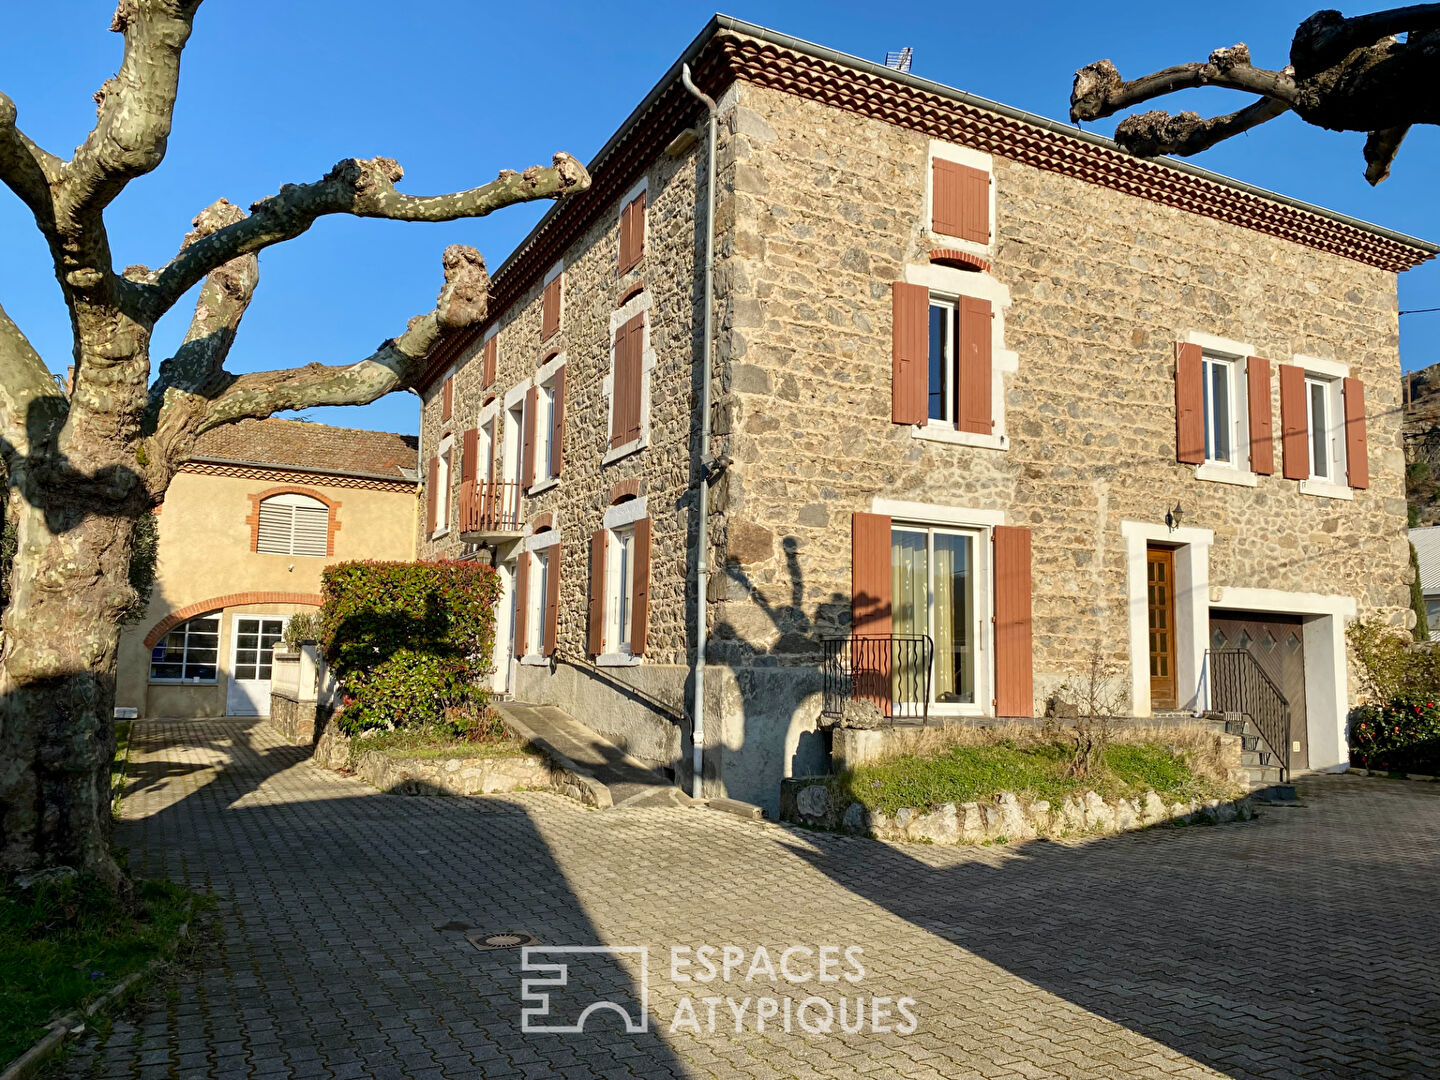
(543, 522)
(961, 260)
(624, 489)
(216, 603)
(253, 519)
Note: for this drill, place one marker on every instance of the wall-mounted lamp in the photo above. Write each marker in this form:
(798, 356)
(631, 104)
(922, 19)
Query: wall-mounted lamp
(1174, 517)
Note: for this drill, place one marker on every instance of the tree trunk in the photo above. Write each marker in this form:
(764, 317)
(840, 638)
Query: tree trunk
(57, 687)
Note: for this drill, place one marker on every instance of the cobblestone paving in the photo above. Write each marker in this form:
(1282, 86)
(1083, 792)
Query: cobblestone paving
(1298, 945)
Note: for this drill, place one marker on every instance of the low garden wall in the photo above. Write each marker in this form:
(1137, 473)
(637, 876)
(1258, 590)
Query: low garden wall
(812, 801)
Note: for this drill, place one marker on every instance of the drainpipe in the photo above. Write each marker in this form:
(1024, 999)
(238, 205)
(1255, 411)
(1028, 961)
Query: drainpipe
(702, 536)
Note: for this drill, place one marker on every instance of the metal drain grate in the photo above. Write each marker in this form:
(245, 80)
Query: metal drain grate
(508, 940)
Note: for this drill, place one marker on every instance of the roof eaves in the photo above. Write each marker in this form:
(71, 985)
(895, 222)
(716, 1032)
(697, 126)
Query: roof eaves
(402, 474)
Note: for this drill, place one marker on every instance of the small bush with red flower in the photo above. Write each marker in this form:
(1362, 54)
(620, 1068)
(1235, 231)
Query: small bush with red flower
(1397, 728)
(409, 643)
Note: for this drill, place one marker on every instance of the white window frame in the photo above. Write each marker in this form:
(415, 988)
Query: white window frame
(1331, 376)
(538, 545)
(512, 437)
(544, 382)
(948, 283)
(1236, 354)
(444, 456)
(960, 155)
(638, 304)
(619, 520)
(185, 653)
(980, 525)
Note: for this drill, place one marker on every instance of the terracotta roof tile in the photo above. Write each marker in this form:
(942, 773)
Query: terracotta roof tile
(300, 444)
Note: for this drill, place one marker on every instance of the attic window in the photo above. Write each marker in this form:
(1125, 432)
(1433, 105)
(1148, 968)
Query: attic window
(293, 525)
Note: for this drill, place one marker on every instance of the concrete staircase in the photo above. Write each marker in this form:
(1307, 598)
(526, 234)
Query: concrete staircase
(610, 776)
(1265, 778)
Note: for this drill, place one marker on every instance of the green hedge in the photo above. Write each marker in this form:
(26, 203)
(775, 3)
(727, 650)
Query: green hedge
(1401, 736)
(410, 643)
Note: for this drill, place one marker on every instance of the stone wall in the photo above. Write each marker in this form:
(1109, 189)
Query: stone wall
(830, 211)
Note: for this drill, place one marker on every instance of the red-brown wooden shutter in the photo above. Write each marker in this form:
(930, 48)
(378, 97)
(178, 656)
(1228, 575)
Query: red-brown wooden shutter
(550, 307)
(1357, 448)
(552, 602)
(640, 606)
(597, 592)
(1294, 427)
(975, 369)
(469, 452)
(871, 662)
(527, 446)
(1189, 404)
(447, 398)
(632, 233)
(910, 356)
(960, 201)
(870, 574)
(487, 370)
(432, 485)
(1014, 661)
(557, 423)
(625, 391)
(522, 602)
(1262, 431)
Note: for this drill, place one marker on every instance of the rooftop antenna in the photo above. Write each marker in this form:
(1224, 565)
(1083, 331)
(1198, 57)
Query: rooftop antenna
(900, 61)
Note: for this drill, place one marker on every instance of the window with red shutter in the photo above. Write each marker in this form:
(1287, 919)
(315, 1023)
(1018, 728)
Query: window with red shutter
(1189, 404)
(959, 201)
(627, 382)
(550, 304)
(632, 233)
(552, 601)
(522, 604)
(595, 640)
(489, 363)
(527, 446)
(557, 423)
(975, 369)
(447, 398)
(432, 488)
(1294, 428)
(910, 348)
(640, 591)
(1262, 430)
(1014, 656)
(1357, 448)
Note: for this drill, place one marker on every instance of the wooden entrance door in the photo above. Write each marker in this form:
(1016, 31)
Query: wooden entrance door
(1160, 598)
(1278, 644)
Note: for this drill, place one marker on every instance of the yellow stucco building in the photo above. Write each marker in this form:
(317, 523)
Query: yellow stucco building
(247, 528)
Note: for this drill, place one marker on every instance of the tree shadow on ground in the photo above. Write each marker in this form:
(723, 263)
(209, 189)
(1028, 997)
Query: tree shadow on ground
(1245, 947)
(345, 922)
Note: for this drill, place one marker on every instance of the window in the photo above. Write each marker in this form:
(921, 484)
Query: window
(626, 381)
(933, 593)
(1221, 413)
(255, 641)
(960, 194)
(632, 232)
(1320, 428)
(544, 423)
(958, 372)
(293, 524)
(189, 653)
(942, 359)
(535, 597)
(552, 302)
(440, 497)
(621, 600)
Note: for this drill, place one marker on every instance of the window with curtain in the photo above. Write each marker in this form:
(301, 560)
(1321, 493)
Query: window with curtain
(933, 593)
(293, 525)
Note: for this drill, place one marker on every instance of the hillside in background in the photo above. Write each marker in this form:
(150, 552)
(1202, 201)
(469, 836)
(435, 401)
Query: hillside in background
(1422, 446)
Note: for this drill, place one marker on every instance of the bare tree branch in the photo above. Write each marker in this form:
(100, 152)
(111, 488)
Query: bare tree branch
(1345, 74)
(1099, 91)
(32, 404)
(1380, 150)
(394, 366)
(1328, 37)
(24, 167)
(1158, 132)
(364, 189)
(135, 108)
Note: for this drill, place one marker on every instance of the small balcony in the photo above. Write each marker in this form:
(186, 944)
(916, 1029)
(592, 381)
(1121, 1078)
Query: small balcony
(891, 670)
(490, 511)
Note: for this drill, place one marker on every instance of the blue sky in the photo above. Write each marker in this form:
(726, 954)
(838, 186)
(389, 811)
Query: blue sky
(274, 91)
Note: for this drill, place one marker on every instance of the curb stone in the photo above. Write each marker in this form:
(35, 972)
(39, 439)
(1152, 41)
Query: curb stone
(1386, 774)
(74, 1023)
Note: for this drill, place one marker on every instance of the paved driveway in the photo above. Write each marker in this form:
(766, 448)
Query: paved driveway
(1302, 944)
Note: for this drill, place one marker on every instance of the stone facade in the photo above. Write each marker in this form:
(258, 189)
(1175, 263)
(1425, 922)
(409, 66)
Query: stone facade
(819, 210)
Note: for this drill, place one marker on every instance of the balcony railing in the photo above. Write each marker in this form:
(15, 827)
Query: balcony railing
(490, 508)
(892, 670)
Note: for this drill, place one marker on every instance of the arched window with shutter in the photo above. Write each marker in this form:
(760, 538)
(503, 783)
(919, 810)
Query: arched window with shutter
(294, 524)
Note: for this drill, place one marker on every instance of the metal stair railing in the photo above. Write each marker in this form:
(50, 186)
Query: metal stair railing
(1238, 684)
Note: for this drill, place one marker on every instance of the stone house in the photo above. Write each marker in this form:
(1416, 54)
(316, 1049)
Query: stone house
(994, 405)
(247, 527)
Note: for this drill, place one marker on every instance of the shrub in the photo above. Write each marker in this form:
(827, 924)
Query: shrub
(302, 629)
(1401, 735)
(409, 642)
(1390, 665)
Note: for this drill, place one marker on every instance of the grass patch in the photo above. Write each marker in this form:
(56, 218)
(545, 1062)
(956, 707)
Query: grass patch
(977, 765)
(63, 944)
(485, 739)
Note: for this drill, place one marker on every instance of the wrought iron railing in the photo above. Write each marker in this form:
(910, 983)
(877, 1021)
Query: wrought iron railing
(892, 670)
(1238, 684)
(490, 507)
